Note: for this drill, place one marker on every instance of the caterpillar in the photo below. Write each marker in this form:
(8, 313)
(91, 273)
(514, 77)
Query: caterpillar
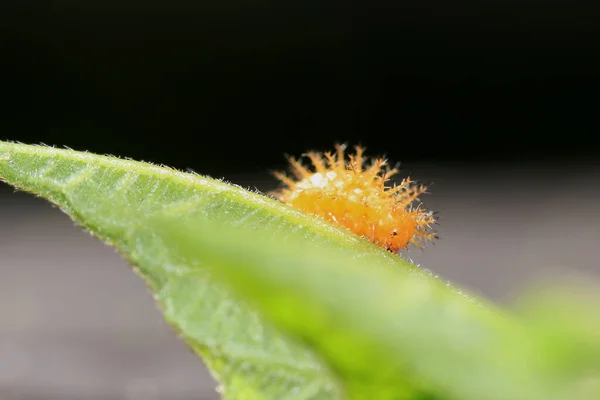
(354, 192)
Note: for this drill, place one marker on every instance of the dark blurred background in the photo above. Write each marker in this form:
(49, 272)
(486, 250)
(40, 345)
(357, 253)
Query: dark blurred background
(496, 103)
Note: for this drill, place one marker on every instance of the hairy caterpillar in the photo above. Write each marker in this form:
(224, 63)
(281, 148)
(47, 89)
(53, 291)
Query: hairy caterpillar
(352, 192)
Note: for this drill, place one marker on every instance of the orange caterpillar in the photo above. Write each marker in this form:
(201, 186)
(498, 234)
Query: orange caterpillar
(355, 196)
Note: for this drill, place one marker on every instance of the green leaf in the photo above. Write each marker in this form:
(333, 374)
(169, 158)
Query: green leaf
(283, 305)
(370, 313)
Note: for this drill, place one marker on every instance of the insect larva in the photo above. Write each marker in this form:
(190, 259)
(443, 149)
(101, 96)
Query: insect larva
(352, 192)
